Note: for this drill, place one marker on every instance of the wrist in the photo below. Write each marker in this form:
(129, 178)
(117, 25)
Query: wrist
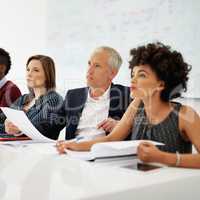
(161, 158)
(170, 159)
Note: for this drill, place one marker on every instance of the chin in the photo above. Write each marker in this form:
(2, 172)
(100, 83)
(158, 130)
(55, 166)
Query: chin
(136, 95)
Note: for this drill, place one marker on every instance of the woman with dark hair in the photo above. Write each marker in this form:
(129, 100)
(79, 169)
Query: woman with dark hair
(159, 74)
(9, 92)
(42, 103)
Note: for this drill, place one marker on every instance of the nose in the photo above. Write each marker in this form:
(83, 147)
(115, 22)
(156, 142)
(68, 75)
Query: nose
(133, 79)
(90, 69)
(28, 73)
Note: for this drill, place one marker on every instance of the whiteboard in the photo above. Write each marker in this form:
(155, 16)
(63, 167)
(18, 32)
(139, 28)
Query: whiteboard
(75, 28)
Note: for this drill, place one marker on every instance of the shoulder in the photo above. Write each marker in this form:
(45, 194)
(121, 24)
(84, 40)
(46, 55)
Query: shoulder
(120, 87)
(77, 91)
(187, 112)
(188, 117)
(20, 101)
(11, 91)
(53, 98)
(121, 91)
(11, 85)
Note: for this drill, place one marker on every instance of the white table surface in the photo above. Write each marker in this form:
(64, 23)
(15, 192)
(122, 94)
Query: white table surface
(28, 173)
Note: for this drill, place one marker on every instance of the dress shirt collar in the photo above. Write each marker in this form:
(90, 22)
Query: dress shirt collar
(105, 96)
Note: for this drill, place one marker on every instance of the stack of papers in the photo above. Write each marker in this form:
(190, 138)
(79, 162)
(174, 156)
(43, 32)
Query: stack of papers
(109, 150)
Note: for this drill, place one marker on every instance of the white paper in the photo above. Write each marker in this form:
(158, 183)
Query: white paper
(109, 149)
(20, 119)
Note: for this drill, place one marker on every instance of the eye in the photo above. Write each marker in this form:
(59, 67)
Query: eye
(27, 69)
(142, 75)
(97, 65)
(89, 63)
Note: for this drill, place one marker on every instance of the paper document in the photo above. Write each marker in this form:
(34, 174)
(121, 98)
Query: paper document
(20, 119)
(109, 150)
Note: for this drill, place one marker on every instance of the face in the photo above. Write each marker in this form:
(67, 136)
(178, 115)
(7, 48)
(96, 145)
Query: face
(35, 74)
(99, 73)
(144, 82)
(2, 71)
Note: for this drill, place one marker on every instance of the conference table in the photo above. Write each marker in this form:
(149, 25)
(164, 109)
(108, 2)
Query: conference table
(36, 171)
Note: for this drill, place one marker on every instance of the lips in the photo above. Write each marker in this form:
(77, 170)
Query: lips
(133, 87)
(89, 77)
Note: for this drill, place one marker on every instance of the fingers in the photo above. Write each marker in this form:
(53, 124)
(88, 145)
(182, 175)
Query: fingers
(10, 128)
(146, 152)
(101, 124)
(60, 146)
(108, 124)
(142, 151)
(107, 127)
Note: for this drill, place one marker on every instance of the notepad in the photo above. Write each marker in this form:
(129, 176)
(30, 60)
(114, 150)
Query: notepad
(7, 137)
(109, 150)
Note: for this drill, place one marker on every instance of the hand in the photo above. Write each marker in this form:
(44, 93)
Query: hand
(63, 145)
(11, 129)
(148, 152)
(108, 124)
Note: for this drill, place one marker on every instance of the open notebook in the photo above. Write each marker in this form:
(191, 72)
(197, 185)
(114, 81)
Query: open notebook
(109, 150)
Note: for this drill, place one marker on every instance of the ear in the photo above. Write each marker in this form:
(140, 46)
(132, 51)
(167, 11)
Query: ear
(161, 86)
(113, 73)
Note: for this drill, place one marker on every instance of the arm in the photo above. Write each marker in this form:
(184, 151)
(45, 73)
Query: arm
(120, 131)
(47, 118)
(189, 124)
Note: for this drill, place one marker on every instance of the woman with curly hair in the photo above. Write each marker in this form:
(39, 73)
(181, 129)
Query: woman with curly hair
(159, 74)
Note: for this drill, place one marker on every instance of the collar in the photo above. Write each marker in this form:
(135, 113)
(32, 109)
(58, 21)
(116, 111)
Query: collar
(3, 81)
(105, 96)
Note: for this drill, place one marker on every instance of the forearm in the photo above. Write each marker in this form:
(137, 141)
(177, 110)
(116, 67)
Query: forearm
(86, 146)
(186, 160)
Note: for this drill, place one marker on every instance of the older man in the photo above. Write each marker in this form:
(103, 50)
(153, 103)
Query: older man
(95, 110)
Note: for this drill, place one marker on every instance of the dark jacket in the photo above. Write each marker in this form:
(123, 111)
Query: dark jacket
(75, 101)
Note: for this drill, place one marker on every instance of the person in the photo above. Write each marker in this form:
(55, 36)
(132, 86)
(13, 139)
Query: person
(9, 92)
(42, 102)
(95, 110)
(159, 74)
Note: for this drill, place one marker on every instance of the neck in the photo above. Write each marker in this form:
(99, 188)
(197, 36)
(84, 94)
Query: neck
(154, 107)
(97, 92)
(39, 91)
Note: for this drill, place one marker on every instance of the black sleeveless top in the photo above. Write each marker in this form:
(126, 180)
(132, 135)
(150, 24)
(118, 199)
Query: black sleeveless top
(166, 131)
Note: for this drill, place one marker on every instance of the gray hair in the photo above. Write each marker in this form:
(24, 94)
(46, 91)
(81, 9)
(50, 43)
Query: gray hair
(114, 60)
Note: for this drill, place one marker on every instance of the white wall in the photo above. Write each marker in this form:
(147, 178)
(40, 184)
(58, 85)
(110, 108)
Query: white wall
(22, 33)
(69, 31)
(76, 27)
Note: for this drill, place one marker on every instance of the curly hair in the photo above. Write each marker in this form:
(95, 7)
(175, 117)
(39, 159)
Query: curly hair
(5, 59)
(168, 65)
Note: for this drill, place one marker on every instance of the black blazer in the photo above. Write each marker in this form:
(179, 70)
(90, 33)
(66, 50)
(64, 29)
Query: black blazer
(75, 101)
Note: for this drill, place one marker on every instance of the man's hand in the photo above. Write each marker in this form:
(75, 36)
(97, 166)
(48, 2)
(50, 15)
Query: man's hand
(107, 124)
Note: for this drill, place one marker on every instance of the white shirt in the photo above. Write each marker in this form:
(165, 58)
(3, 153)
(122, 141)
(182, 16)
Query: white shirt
(3, 81)
(94, 112)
